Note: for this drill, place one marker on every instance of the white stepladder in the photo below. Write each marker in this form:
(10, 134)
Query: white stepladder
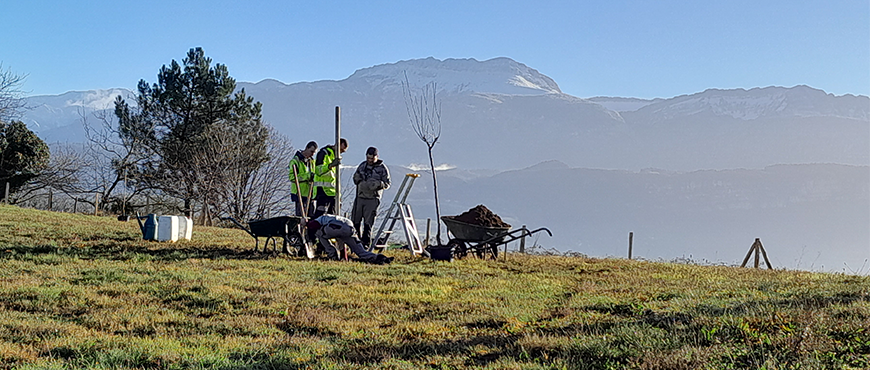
(411, 234)
(399, 211)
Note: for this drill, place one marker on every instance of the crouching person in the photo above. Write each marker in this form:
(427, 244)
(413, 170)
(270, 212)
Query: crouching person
(328, 227)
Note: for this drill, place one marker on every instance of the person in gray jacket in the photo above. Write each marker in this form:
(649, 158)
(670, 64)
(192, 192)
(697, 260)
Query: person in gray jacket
(370, 178)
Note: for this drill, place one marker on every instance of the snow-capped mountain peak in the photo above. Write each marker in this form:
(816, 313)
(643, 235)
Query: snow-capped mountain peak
(493, 76)
(95, 99)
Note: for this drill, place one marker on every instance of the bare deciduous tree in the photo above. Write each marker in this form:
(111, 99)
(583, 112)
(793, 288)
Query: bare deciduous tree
(424, 112)
(61, 175)
(113, 160)
(11, 97)
(247, 189)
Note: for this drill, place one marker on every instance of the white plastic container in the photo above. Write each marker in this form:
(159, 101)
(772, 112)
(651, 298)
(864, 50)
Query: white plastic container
(185, 227)
(167, 228)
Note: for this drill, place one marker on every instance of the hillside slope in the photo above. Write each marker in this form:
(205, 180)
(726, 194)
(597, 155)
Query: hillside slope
(85, 292)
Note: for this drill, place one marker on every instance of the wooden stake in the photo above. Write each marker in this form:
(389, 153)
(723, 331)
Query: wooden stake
(748, 254)
(757, 253)
(764, 254)
(523, 240)
(428, 226)
(757, 249)
(630, 241)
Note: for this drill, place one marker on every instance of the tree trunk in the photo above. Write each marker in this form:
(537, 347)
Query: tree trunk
(437, 205)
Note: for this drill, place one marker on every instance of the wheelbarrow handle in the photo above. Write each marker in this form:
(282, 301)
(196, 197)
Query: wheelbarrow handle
(139, 220)
(541, 229)
(240, 226)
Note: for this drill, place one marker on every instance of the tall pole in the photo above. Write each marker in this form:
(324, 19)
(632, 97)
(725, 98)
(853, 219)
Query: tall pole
(338, 171)
(338, 157)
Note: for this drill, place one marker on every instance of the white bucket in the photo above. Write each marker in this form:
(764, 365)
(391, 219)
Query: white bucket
(167, 228)
(185, 227)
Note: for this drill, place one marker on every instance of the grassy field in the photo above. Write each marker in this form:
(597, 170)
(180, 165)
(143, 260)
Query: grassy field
(85, 292)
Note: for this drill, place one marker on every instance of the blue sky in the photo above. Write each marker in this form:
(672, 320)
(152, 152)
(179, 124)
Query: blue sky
(641, 48)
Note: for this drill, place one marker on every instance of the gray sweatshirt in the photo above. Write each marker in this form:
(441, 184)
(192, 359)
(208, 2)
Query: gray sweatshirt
(371, 180)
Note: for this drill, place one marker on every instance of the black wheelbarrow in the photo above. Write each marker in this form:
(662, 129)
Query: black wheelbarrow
(483, 241)
(286, 228)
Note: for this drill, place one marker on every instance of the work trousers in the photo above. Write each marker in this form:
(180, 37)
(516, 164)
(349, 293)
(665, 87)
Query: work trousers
(363, 217)
(344, 233)
(299, 202)
(325, 204)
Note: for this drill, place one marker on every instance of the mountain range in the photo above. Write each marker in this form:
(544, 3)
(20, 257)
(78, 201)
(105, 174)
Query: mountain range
(501, 114)
(701, 174)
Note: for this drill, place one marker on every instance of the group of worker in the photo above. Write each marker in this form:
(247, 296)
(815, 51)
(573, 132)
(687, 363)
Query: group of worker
(312, 190)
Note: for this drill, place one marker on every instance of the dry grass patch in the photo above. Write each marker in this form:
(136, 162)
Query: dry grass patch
(84, 292)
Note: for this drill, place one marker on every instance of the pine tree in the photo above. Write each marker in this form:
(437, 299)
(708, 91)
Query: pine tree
(197, 134)
(22, 155)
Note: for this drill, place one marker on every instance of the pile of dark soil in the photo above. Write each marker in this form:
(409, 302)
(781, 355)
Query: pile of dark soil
(482, 216)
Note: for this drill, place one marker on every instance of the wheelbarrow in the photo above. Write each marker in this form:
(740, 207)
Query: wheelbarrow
(286, 228)
(483, 241)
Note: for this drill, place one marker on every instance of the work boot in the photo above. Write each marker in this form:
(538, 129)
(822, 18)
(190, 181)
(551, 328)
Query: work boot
(381, 259)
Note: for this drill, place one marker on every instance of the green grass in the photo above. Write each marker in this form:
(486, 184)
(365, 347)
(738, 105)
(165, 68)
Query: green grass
(84, 292)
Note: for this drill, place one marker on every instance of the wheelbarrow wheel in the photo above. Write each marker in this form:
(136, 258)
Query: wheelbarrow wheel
(485, 251)
(460, 250)
(294, 246)
(493, 251)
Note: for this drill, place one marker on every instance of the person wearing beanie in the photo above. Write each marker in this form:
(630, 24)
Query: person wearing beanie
(371, 179)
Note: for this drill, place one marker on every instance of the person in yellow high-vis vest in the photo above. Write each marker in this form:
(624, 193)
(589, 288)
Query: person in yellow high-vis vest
(301, 176)
(325, 176)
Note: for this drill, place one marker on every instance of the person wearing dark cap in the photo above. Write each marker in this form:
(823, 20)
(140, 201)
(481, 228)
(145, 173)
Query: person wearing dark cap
(371, 179)
(326, 175)
(301, 174)
(328, 227)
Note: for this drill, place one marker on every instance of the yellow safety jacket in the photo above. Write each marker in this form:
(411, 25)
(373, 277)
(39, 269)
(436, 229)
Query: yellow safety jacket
(324, 177)
(305, 172)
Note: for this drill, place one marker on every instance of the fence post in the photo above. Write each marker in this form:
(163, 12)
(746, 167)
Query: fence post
(523, 240)
(757, 249)
(96, 203)
(50, 200)
(630, 242)
(428, 225)
(6, 195)
(757, 254)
